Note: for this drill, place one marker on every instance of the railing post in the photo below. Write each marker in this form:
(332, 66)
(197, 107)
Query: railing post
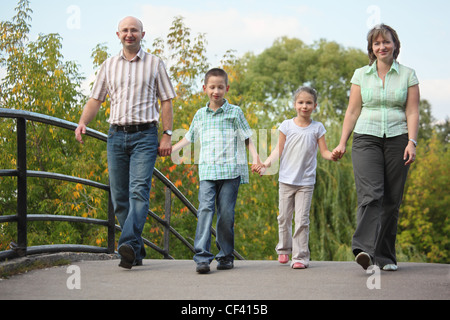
(21, 248)
(111, 226)
(167, 214)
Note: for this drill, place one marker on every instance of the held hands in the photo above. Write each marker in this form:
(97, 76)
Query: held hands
(259, 167)
(338, 152)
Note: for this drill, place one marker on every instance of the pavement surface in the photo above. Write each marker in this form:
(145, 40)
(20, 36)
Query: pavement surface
(249, 280)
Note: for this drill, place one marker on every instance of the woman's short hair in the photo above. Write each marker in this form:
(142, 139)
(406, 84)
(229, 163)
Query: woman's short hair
(381, 29)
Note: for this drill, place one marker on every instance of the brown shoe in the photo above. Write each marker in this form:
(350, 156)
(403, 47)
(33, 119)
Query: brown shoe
(364, 260)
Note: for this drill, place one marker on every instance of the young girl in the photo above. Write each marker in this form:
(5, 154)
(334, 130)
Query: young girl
(297, 144)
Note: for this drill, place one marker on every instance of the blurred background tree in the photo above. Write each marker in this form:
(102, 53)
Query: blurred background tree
(37, 79)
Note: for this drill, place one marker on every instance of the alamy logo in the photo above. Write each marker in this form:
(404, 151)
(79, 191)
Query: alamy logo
(74, 20)
(374, 281)
(374, 16)
(74, 281)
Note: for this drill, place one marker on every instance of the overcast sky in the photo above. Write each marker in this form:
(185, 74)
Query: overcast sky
(253, 25)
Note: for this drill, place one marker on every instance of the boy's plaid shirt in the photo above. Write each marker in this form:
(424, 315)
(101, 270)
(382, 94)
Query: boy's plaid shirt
(222, 136)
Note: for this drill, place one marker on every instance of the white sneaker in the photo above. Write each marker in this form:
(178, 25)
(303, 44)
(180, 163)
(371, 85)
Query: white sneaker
(390, 267)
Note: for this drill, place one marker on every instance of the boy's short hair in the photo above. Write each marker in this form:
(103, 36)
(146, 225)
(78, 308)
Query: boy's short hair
(216, 72)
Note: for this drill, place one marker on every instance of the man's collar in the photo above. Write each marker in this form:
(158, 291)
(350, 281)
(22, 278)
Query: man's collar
(140, 54)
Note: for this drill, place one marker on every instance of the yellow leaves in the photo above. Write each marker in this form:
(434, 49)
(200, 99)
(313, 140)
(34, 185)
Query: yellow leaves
(49, 105)
(424, 206)
(17, 88)
(268, 229)
(61, 98)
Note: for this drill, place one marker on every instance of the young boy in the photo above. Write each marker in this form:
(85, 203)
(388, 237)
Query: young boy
(222, 130)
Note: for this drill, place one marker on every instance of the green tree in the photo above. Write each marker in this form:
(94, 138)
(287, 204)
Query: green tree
(38, 80)
(424, 221)
(278, 71)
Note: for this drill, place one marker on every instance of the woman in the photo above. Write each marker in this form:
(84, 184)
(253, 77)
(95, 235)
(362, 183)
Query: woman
(383, 112)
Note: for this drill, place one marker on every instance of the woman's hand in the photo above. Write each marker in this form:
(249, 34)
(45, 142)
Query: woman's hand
(410, 153)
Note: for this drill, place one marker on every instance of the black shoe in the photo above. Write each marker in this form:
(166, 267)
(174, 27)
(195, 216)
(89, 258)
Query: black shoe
(137, 263)
(127, 256)
(202, 267)
(225, 265)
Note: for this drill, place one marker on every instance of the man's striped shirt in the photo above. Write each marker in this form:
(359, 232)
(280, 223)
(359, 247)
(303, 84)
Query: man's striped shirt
(134, 88)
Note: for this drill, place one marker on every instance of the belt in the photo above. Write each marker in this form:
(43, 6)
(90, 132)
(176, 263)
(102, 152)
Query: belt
(134, 127)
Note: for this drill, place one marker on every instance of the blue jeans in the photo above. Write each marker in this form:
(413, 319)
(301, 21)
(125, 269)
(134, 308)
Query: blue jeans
(223, 194)
(131, 160)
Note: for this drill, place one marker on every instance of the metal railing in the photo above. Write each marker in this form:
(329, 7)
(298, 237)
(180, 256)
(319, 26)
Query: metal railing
(21, 248)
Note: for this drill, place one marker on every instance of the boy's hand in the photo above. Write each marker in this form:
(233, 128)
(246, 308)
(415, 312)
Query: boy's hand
(255, 167)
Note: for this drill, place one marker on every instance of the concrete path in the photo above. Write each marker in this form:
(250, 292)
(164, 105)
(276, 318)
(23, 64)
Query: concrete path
(249, 280)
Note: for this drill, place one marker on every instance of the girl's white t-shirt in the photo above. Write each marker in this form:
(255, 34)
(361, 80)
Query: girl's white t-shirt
(299, 158)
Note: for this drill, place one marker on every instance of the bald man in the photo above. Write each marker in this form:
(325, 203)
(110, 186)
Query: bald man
(134, 80)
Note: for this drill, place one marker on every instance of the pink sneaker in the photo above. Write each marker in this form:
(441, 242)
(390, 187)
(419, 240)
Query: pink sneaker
(298, 265)
(283, 258)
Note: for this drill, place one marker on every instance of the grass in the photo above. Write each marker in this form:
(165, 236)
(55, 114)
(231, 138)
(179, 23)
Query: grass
(8, 270)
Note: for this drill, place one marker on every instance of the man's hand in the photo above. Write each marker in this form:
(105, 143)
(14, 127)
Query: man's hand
(81, 129)
(90, 111)
(165, 146)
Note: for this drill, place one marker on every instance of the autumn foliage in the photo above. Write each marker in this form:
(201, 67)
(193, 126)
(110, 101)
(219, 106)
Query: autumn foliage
(38, 79)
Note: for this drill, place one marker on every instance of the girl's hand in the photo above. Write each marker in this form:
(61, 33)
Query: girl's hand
(262, 170)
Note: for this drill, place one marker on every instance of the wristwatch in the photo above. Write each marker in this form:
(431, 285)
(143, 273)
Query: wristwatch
(413, 141)
(168, 132)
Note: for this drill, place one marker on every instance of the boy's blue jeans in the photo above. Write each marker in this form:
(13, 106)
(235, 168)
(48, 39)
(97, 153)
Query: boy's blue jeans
(223, 194)
(131, 160)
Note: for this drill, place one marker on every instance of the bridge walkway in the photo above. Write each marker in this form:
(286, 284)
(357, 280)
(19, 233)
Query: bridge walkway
(249, 280)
